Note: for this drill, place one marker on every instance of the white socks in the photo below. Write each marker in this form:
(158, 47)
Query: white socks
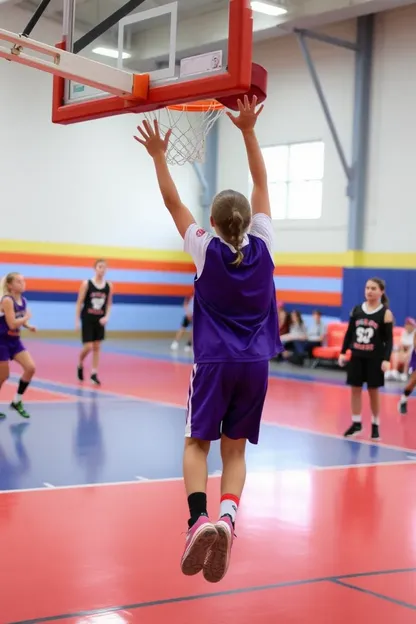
(229, 506)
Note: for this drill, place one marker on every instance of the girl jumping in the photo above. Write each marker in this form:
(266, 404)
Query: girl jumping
(370, 338)
(14, 315)
(235, 335)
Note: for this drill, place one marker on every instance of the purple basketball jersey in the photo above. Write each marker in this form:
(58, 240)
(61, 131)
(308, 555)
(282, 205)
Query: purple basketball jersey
(19, 311)
(412, 365)
(235, 307)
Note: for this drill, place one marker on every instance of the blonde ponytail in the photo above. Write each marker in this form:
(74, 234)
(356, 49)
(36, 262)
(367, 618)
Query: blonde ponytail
(231, 213)
(236, 230)
(5, 283)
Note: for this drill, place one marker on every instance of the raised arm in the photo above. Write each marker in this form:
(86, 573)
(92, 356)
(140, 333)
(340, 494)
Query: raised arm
(246, 122)
(156, 147)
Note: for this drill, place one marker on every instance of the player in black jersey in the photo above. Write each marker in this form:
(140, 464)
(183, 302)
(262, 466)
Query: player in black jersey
(93, 310)
(370, 338)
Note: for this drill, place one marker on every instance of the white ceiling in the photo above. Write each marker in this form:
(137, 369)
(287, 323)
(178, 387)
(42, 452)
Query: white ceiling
(91, 12)
(301, 13)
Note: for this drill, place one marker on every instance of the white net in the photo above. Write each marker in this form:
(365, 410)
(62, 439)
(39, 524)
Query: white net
(189, 130)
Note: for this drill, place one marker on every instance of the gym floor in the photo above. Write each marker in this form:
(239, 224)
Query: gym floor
(93, 512)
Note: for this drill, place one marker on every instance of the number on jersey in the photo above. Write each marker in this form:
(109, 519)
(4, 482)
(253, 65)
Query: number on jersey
(364, 335)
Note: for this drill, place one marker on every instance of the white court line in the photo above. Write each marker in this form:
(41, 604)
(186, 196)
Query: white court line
(183, 407)
(216, 475)
(53, 402)
(336, 436)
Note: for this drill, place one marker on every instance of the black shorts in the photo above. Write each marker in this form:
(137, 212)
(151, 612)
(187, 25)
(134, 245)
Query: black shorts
(92, 330)
(362, 370)
(186, 322)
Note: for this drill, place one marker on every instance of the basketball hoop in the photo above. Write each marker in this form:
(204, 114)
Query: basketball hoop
(190, 124)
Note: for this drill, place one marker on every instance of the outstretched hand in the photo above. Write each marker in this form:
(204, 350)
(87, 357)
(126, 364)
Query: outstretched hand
(152, 140)
(248, 116)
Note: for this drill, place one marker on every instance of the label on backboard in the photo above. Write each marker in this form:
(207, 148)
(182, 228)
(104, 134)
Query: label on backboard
(201, 64)
(79, 91)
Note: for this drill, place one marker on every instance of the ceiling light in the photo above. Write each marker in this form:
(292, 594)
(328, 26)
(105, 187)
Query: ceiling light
(111, 53)
(268, 9)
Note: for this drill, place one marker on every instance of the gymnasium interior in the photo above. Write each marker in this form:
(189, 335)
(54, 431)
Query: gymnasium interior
(93, 511)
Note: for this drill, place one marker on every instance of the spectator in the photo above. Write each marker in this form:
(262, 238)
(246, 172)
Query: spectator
(401, 356)
(316, 333)
(294, 340)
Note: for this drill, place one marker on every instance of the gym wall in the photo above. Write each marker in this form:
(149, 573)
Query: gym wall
(72, 194)
(293, 114)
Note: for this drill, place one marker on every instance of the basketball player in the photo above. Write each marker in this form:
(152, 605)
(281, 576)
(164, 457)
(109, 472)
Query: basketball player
(14, 315)
(370, 338)
(93, 308)
(411, 384)
(235, 335)
(186, 325)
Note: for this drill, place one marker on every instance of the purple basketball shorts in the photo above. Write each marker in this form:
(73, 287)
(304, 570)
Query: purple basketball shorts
(10, 346)
(226, 398)
(412, 365)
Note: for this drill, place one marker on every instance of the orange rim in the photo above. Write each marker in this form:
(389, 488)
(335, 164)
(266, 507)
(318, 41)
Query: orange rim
(202, 106)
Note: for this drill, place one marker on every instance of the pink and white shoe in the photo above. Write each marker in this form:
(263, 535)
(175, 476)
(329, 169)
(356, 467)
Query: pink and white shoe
(218, 559)
(200, 538)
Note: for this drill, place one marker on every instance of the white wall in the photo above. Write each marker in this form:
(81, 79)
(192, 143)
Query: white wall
(391, 207)
(86, 183)
(292, 114)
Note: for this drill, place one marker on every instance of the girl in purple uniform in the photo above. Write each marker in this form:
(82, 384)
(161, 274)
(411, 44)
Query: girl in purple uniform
(235, 336)
(14, 315)
(411, 384)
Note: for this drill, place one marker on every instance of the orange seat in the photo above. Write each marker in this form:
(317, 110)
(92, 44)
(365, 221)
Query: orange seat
(335, 337)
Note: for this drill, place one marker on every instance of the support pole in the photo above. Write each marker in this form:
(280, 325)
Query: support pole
(105, 25)
(325, 107)
(361, 131)
(207, 174)
(336, 41)
(35, 18)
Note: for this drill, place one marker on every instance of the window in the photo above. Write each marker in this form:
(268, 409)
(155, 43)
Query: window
(295, 174)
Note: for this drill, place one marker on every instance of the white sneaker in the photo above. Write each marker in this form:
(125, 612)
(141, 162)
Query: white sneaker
(188, 349)
(175, 345)
(403, 377)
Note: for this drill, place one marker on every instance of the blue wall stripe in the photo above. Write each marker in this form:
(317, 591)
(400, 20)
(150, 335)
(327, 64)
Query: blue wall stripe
(127, 299)
(160, 301)
(41, 271)
(312, 284)
(330, 311)
(124, 317)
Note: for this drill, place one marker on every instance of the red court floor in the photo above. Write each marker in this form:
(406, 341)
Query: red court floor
(333, 542)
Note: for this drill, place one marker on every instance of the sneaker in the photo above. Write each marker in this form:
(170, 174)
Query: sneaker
(2, 416)
(354, 430)
(402, 407)
(218, 559)
(375, 433)
(175, 345)
(404, 377)
(80, 373)
(200, 538)
(20, 409)
(95, 380)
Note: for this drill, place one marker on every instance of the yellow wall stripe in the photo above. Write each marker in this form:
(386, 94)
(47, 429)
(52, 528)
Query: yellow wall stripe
(351, 259)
